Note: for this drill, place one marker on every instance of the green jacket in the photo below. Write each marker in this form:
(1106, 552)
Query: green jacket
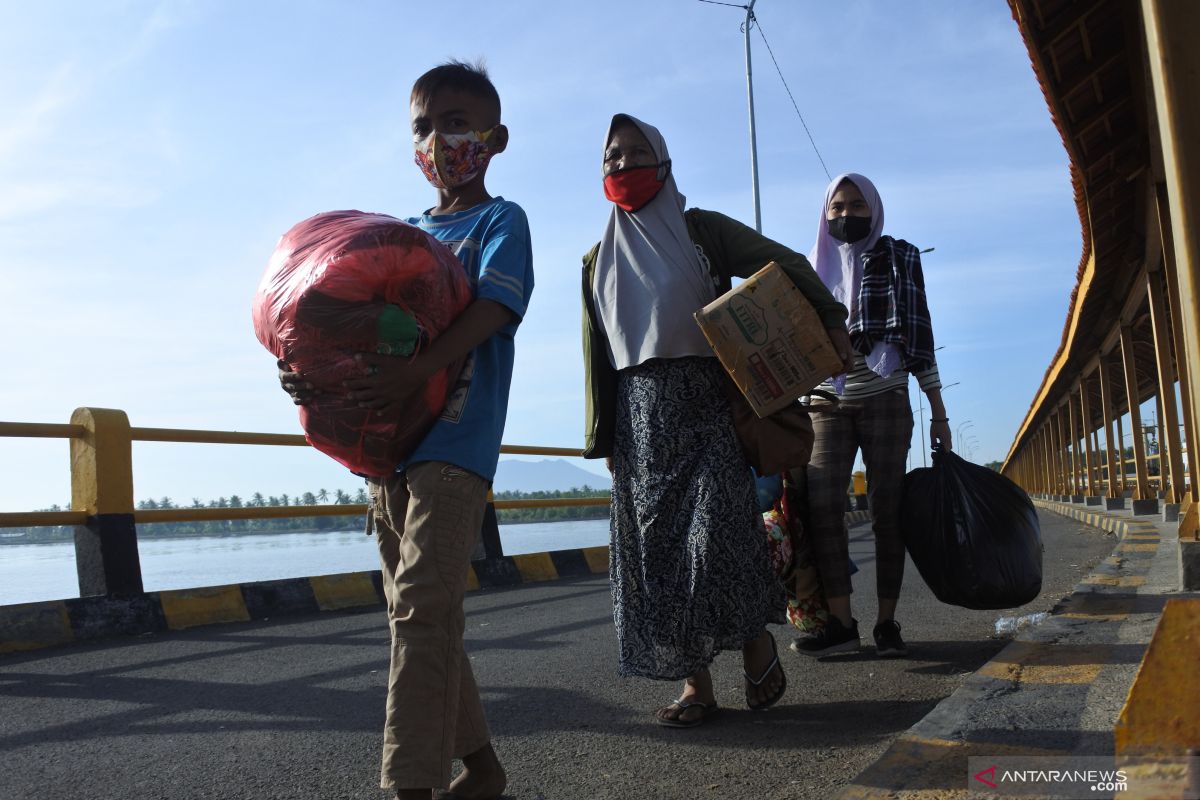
(731, 249)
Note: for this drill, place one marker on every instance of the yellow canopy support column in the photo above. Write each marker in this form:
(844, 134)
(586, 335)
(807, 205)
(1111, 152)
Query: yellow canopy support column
(1141, 489)
(1121, 453)
(1169, 442)
(1060, 453)
(1174, 61)
(1089, 455)
(1034, 463)
(1106, 410)
(1048, 453)
(1187, 516)
(1073, 448)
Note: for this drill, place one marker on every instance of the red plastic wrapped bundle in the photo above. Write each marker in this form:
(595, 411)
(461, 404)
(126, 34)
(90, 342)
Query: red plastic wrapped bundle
(346, 282)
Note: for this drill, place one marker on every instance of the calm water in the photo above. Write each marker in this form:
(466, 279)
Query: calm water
(33, 572)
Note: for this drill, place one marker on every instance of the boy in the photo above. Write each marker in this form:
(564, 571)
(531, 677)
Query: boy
(428, 515)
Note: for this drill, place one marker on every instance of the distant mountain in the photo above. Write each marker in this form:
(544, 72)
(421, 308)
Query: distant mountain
(547, 475)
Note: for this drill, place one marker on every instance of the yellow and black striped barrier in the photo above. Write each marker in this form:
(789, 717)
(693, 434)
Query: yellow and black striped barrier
(32, 626)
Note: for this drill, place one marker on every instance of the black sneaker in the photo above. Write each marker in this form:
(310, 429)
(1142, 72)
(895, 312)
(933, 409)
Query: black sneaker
(887, 640)
(833, 638)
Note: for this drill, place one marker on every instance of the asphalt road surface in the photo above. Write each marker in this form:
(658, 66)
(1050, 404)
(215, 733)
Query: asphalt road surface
(293, 709)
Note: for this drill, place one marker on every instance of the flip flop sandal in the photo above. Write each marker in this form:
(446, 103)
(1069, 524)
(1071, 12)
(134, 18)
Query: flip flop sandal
(773, 699)
(706, 710)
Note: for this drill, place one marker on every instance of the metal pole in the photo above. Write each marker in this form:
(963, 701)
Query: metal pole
(753, 140)
(921, 424)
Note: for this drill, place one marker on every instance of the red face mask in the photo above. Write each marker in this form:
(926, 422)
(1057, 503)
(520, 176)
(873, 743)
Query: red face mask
(634, 187)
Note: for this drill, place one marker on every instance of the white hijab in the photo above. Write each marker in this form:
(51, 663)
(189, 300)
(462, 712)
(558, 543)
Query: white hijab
(649, 279)
(840, 265)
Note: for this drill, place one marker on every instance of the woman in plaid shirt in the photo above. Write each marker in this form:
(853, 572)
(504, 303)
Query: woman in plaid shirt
(879, 279)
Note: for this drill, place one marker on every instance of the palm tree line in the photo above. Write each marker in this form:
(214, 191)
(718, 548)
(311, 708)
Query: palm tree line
(300, 523)
(553, 513)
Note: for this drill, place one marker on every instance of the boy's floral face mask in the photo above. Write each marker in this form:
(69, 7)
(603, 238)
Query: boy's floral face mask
(452, 159)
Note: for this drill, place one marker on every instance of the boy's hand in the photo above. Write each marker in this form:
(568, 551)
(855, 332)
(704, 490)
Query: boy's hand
(389, 381)
(294, 384)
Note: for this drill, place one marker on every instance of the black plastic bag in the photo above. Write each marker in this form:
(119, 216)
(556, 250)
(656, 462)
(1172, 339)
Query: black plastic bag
(973, 534)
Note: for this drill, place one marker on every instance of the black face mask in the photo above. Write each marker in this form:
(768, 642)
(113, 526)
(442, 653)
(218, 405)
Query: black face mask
(850, 229)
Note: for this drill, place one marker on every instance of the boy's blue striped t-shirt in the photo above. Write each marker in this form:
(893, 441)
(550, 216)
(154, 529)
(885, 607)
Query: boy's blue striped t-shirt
(492, 241)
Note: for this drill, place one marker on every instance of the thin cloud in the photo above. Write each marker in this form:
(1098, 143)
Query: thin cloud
(30, 199)
(45, 123)
(162, 19)
(32, 122)
(70, 81)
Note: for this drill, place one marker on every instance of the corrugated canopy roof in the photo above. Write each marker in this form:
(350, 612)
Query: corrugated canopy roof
(1087, 56)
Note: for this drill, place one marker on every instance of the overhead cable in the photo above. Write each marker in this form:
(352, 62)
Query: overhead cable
(754, 19)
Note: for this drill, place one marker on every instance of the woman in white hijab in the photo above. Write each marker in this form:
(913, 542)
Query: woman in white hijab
(689, 567)
(879, 279)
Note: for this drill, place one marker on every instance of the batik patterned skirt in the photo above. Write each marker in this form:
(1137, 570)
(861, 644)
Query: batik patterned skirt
(690, 571)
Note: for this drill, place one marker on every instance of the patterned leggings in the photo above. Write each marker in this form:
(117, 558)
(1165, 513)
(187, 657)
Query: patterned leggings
(882, 426)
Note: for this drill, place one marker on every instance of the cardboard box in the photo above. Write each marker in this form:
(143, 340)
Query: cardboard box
(769, 339)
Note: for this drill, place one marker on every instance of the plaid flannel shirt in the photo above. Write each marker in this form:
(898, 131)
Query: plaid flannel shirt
(891, 304)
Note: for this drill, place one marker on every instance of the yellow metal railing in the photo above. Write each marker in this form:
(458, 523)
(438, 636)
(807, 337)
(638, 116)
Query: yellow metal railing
(26, 519)
(38, 430)
(215, 437)
(92, 428)
(102, 501)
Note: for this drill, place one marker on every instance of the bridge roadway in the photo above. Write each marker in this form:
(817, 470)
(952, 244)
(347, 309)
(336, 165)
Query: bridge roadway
(293, 708)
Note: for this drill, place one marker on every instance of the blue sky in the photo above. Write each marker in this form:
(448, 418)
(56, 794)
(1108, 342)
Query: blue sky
(151, 153)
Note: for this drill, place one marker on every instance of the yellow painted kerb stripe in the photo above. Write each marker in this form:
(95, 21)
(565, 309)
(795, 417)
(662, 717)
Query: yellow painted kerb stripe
(597, 559)
(187, 608)
(347, 590)
(1033, 662)
(535, 567)
(31, 626)
(1098, 606)
(1114, 580)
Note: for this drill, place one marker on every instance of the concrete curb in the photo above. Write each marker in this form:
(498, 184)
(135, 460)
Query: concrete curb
(31, 626)
(1113, 523)
(1052, 664)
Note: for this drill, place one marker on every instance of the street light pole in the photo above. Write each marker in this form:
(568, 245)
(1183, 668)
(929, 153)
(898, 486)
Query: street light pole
(746, 26)
(753, 138)
(921, 424)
